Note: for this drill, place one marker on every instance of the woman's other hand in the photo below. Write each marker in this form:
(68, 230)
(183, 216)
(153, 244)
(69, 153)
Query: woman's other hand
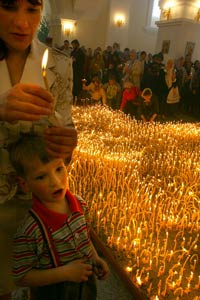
(61, 141)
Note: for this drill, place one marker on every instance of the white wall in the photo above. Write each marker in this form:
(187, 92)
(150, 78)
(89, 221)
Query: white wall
(141, 37)
(92, 32)
(181, 28)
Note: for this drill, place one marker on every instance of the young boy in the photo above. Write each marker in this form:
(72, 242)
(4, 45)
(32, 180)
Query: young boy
(113, 92)
(58, 221)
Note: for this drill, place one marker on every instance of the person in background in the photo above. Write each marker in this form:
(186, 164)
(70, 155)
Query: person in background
(173, 99)
(130, 99)
(128, 66)
(66, 48)
(107, 55)
(149, 58)
(180, 74)
(96, 91)
(126, 55)
(113, 92)
(88, 60)
(155, 80)
(148, 110)
(65, 219)
(137, 71)
(115, 66)
(195, 87)
(97, 66)
(27, 106)
(78, 58)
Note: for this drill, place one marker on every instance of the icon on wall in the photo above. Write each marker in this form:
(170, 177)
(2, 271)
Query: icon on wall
(165, 46)
(189, 49)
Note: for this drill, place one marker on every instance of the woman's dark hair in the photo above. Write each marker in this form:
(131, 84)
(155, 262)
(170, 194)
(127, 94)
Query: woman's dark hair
(3, 48)
(10, 2)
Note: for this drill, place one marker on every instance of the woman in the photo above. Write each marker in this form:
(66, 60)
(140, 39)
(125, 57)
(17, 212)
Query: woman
(130, 99)
(97, 66)
(148, 110)
(25, 105)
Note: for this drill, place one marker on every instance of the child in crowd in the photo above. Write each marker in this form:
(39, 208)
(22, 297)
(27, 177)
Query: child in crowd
(113, 92)
(148, 110)
(53, 253)
(96, 91)
(130, 97)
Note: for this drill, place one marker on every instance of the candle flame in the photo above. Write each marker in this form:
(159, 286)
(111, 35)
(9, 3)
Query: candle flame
(139, 281)
(129, 269)
(45, 60)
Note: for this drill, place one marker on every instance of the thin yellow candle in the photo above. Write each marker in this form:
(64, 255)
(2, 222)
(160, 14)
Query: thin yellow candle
(44, 65)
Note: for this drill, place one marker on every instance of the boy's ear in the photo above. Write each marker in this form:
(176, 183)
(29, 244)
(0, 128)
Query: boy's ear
(23, 184)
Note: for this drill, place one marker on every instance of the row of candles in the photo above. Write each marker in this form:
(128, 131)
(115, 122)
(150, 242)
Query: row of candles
(142, 185)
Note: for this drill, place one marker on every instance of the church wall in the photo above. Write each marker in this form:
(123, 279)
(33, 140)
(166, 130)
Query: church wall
(141, 37)
(92, 32)
(134, 34)
(100, 30)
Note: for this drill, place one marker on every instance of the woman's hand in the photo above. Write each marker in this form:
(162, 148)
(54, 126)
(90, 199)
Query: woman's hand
(61, 141)
(25, 102)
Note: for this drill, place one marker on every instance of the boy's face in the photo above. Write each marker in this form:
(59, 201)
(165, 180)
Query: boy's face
(47, 181)
(96, 83)
(147, 98)
(111, 81)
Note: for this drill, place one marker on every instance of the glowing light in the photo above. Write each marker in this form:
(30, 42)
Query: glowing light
(119, 20)
(44, 65)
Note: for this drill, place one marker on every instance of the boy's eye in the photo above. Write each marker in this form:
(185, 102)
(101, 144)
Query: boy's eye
(59, 169)
(33, 9)
(40, 177)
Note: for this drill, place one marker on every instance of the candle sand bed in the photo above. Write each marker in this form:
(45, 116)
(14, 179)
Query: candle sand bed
(142, 185)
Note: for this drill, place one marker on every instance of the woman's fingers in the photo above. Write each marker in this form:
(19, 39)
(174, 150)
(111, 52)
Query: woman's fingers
(61, 136)
(36, 90)
(61, 141)
(26, 102)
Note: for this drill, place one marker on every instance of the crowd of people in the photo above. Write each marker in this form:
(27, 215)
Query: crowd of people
(117, 78)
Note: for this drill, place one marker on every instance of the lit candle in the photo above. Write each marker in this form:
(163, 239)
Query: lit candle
(44, 65)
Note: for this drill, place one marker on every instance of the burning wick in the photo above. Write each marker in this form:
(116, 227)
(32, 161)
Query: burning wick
(44, 64)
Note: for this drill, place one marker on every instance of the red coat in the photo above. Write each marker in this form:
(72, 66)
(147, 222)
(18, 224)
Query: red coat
(129, 95)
